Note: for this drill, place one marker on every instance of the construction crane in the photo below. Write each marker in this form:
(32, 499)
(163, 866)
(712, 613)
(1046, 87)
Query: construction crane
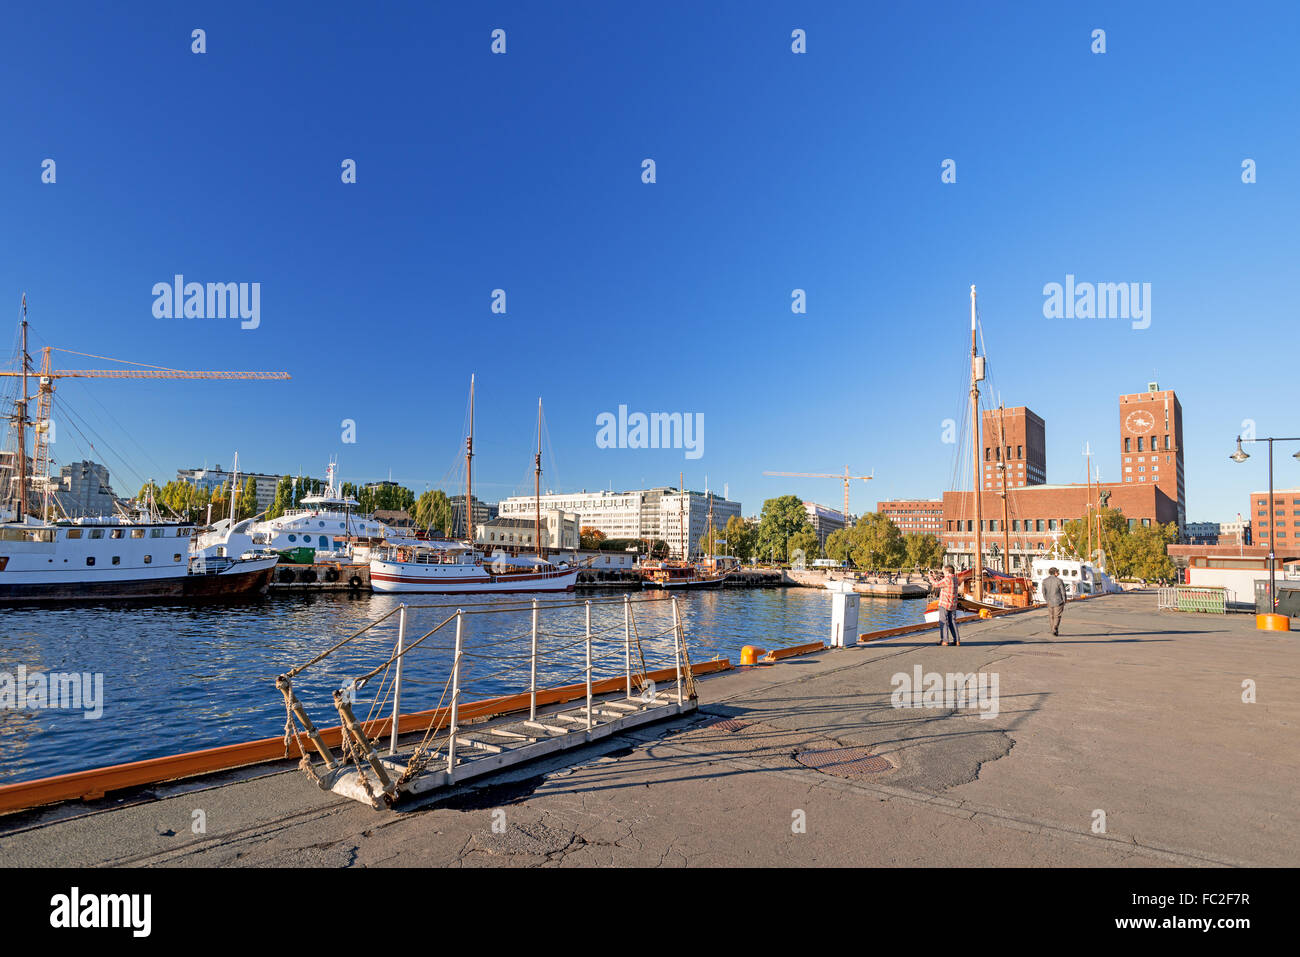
(45, 392)
(846, 478)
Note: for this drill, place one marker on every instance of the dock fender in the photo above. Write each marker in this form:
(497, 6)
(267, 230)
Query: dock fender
(355, 581)
(331, 574)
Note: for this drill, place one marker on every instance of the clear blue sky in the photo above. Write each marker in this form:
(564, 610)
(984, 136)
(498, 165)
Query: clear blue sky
(775, 171)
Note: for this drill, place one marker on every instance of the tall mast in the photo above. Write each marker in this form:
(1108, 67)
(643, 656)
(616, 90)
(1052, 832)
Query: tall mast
(1087, 512)
(537, 486)
(681, 516)
(976, 373)
(469, 472)
(1006, 524)
(22, 426)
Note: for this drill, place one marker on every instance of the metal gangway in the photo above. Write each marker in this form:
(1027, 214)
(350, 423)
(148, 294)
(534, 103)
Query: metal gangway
(529, 650)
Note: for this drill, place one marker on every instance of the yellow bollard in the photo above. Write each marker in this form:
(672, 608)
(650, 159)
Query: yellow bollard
(985, 613)
(750, 654)
(1272, 623)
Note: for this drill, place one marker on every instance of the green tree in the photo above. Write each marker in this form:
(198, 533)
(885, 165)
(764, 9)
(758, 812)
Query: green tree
(739, 536)
(922, 550)
(804, 546)
(877, 542)
(1136, 551)
(780, 519)
(839, 544)
(283, 498)
(246, 501)
(433, 511)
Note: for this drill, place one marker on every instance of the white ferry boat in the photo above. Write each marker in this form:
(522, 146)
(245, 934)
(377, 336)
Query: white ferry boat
(326, 523)
(453, 568)
(1080, 577)
(101, 559)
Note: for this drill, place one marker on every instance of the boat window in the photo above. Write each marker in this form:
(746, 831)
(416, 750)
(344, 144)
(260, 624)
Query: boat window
(117, 559)
(176, 557)
(74, 533)
(90, 560)
(137, 533)
(116, 533)
(323, 542)
(96, 533)
(156, 532)
(293, 538)
(148, 559)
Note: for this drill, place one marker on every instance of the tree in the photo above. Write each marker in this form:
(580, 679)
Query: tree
(432, 510)
(1136, 551)
(589, 537)
(804, 547)
(246, 504)
(877, 542)
(739, 537)
(839, 544)
(283, 500)
(922, 550)
(780, 519)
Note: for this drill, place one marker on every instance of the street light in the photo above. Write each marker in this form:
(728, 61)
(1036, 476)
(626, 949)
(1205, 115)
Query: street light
(1240, 456)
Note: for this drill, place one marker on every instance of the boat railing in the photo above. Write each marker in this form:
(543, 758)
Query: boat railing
(511, 657)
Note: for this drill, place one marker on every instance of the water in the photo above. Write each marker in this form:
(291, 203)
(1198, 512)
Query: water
(182, 678)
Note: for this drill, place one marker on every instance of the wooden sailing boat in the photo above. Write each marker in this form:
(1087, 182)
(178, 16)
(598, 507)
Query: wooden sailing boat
(455, 567)
(990, 589)
(685, 574)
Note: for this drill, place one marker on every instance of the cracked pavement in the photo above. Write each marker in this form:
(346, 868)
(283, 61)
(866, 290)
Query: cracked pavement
(1131, 713)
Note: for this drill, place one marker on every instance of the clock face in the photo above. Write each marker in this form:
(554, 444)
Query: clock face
(1139, 422)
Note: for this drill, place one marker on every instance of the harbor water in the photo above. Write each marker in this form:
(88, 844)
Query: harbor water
(183, 678)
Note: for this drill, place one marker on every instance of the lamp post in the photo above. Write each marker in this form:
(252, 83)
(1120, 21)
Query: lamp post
(1240, 456)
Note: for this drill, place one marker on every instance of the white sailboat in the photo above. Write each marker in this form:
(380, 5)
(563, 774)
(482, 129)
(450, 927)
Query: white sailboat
(455, 567)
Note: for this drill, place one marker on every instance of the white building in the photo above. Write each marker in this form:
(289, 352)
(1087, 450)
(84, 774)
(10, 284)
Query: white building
(515, 534)
(679, 519)
(823, 520)
(215, 478)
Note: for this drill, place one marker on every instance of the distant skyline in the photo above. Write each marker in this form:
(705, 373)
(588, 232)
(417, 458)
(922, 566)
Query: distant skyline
(780, 178)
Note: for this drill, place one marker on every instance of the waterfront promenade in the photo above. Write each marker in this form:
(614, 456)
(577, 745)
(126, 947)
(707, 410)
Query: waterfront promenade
(1131, 712)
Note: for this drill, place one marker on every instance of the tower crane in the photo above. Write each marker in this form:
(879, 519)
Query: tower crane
(846, 478)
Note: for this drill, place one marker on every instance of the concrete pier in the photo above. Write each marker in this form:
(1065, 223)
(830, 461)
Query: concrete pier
(1125, 741)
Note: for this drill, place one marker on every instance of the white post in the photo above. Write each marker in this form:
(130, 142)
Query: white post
(677, 648)
(627, 641)
(532, 680)
(397, 680)
(455, 700)
(588, 664)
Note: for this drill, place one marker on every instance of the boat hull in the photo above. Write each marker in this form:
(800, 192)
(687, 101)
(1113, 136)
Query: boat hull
(687, 585)
(455, 579)
(241, 581)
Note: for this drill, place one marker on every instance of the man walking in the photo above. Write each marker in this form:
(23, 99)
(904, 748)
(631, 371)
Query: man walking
(1054, 595)
(948, 606)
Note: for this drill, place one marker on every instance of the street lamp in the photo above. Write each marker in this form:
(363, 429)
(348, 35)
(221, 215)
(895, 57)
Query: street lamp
(1240, 456)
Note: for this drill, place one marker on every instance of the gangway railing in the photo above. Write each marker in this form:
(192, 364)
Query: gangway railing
(533, 657)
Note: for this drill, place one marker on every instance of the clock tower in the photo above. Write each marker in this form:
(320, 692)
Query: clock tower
(1151, 443)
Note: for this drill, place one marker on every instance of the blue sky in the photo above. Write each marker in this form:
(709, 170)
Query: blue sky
(775, 171)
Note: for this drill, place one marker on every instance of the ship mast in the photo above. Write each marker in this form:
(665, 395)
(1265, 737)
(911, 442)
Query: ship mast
(1006, 524)
(469, 472)
(681, 516)
(537, 486)
(21, 420)
(976, 374)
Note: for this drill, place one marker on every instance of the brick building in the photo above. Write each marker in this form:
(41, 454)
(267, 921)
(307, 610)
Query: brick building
(1035, 513)
(1282, 527)
(1151, 443)
(913, 515)
(1018, 438)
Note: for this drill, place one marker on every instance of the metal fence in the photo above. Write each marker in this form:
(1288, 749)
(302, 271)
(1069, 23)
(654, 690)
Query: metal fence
(1203, 599)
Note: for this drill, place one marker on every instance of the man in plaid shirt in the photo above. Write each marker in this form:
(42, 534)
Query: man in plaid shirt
(948, 606)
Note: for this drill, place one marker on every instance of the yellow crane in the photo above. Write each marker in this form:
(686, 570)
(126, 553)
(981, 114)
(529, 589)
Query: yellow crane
(45, 394)
(846, 478)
